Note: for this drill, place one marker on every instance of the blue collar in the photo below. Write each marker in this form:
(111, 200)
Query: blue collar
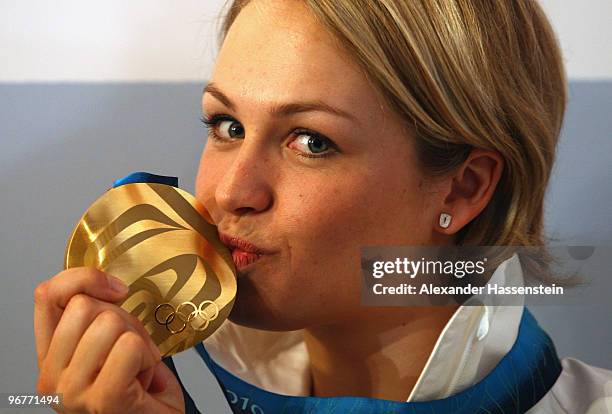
(517, 383)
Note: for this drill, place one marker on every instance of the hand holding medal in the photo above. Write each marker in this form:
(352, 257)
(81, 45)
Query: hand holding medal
(145, 277)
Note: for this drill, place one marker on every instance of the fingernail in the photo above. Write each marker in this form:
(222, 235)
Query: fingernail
(117, 285)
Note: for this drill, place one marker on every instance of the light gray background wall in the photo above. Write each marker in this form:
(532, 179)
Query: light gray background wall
(63, 145)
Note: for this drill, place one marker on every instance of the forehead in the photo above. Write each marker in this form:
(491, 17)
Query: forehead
(277, 51)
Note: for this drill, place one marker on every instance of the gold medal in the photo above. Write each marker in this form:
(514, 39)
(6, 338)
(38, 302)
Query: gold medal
(161, 242)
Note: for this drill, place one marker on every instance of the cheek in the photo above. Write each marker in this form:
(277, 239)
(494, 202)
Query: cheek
(210, 172)
(331, 222)
(371, 210)
(200, 182)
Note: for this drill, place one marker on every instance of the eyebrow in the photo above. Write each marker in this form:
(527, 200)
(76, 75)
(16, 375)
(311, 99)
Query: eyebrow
(282, 109)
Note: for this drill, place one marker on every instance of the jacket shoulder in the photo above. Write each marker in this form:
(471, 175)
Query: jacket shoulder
(581, 388)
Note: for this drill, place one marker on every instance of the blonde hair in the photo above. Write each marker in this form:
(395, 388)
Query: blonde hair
(464, 74)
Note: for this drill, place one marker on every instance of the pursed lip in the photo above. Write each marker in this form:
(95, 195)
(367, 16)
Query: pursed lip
(234, 242)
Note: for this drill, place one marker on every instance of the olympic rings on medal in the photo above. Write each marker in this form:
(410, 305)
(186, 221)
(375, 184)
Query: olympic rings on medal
(198, 312)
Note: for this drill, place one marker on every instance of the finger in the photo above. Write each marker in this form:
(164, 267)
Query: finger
(156, 380)
(146, 377)
(81, 312)
(161, 376)
(117, 384)
(165, 391)
(94, 347)
(51, 297)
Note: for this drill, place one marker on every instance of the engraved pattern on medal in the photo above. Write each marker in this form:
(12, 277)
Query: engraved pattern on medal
(160, 241)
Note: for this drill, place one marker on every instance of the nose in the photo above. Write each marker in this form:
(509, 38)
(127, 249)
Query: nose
(245, 187)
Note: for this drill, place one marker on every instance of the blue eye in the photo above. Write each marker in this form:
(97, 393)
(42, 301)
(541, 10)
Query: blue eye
(317, 145)
(223, 127)
(312, 144)
(233, 129)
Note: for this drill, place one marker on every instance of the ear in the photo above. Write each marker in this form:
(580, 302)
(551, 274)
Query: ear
(470, 189)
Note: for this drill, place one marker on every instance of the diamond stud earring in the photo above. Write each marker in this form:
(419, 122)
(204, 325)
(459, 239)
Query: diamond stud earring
(445, 220)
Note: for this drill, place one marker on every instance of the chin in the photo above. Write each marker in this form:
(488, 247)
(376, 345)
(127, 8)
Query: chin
(253, 310)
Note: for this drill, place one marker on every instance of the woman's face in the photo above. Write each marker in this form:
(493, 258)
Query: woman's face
(308, 166)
